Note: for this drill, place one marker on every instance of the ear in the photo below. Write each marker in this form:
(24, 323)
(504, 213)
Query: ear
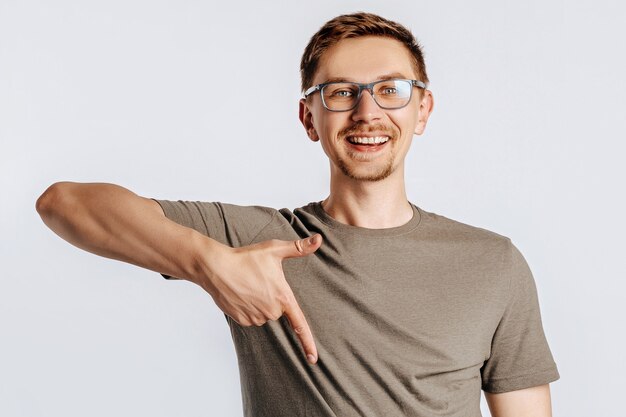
(427, 104)
(306, 118)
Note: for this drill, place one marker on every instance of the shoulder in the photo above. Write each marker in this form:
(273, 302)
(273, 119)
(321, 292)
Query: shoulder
(483, 246)
(469, 242)
(286, 224)
(215, 210)
(436, 224)
(228, 223)
(249, 221)
(246, 211)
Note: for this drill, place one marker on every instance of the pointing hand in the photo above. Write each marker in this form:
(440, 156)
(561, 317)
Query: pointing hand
(249, 285)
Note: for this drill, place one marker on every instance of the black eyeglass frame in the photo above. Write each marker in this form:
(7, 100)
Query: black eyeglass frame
(364, 86)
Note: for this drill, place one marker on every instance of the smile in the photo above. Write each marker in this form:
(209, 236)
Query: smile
(377, 140)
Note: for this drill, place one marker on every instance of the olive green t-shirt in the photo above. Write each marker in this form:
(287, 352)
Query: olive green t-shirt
(408, 321)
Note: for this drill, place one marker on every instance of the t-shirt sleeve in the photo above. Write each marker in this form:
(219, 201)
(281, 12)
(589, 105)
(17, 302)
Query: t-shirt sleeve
(520, 356)
(229, 224)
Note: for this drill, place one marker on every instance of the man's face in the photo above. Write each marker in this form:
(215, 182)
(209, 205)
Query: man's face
(364, 60)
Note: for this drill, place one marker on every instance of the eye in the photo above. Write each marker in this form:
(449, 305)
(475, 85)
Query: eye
(342, 93)
(389, 90)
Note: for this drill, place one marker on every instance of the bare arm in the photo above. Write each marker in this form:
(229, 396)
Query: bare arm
(246, 283)
(112, 221)
(529, 402)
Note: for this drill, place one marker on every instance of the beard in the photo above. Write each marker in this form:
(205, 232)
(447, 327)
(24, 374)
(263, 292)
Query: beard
(377, 173)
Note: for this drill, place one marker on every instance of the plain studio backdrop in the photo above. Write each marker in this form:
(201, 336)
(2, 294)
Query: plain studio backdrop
(194, 101)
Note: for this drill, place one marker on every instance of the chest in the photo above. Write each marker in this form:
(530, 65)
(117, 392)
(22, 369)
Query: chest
(423, 306)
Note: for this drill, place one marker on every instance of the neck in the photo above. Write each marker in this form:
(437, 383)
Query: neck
(374, 205)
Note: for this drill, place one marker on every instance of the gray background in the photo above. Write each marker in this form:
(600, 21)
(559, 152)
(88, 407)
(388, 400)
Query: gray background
(187, 100)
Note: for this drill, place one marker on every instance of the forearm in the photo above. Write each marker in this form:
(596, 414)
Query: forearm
(113, 222)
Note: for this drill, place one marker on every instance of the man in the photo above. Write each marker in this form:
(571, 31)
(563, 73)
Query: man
(400, 312)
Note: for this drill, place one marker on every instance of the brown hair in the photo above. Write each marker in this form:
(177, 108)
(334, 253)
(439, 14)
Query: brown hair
(353, 26)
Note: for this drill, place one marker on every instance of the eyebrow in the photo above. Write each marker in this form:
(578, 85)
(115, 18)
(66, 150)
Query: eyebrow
(379, 78)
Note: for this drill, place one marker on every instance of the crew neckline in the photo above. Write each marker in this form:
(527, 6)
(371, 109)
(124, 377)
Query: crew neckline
(331, 222)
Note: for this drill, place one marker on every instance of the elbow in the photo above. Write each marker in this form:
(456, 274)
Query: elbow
(51, 198)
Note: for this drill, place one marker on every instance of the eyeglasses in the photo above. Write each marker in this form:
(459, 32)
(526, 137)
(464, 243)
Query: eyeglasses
(388, 94)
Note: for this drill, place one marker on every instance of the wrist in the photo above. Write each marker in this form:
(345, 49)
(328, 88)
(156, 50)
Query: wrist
(207, 254)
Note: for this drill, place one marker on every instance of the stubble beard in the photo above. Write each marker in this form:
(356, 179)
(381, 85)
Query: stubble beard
(350, 171)
(380, 173)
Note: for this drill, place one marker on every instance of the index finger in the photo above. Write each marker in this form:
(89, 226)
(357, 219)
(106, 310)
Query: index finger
(301, 327)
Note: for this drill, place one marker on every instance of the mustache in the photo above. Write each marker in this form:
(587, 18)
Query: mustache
(357, 129)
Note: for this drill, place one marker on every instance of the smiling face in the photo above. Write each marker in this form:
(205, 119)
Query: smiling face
(345, 135)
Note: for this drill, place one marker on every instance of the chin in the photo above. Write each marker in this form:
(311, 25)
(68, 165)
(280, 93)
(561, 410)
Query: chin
(366, 175)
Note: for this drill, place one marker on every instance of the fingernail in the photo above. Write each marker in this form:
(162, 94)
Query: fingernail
(311, 358)
(311, 240)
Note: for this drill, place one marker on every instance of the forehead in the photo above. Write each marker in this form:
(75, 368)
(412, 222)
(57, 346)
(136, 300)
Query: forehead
(364, 59)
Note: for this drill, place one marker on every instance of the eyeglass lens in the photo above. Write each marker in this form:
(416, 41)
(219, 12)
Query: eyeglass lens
(388, 94)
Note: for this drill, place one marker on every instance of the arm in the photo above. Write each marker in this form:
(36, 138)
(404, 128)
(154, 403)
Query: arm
(529, 402)
(246, 283)
(111, 221)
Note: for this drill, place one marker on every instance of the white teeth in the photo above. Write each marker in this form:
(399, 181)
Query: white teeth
(365, 140)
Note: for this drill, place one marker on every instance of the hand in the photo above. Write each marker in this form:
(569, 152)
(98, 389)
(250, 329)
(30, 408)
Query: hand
(249, 285)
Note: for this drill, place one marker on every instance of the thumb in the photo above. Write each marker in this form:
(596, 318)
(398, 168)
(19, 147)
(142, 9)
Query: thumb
(301, 247)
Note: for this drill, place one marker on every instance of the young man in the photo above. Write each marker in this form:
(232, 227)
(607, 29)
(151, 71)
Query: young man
(400, 311)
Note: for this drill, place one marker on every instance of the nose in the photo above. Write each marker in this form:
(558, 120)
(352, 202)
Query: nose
(366, 109)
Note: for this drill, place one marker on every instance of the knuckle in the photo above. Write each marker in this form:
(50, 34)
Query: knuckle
(245, 323)
(284, 298)
(241, 319)
(298, 329)
(275, 315)
(258, 322)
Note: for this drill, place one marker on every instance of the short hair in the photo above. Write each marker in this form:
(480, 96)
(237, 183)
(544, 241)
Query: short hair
(356, 25)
